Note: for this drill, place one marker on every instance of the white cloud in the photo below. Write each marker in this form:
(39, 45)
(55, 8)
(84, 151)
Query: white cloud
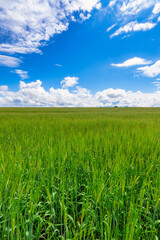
(134, 27)
(110, 94)
(58, 65)
(150, 71)
(33, 94)
(85, 17)
(126, 12)
(132, 62)
(157, 84)
(9, 61)
(32, 85)
(121, 98)
(3, 88)
(69, 82)
(156, 8)
(29, 24)
(22, 74)
(133, 7)
(111, 27)
(112, 3)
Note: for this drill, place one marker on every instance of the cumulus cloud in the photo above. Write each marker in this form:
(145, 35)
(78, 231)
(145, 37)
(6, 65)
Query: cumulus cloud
(150, 71)
(132, 62)
(34, 95)
(32, 85)
(3, 88)
(9, 61)
(85, 17)
(22, 74)
(110, 94)
(134, 27)
(121, 98)
(28, 24)
(69, 82)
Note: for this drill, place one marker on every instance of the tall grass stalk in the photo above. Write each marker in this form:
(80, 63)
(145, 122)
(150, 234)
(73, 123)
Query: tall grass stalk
(80, 173)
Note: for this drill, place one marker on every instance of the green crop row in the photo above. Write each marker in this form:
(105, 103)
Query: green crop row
(79, 174)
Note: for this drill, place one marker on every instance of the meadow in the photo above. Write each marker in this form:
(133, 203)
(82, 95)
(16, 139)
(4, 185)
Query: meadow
(81, 174)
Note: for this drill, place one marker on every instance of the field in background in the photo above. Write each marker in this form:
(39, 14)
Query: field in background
(80, 173)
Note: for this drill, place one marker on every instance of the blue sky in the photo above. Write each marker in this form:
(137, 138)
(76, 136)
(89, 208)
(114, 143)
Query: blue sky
(80, 53)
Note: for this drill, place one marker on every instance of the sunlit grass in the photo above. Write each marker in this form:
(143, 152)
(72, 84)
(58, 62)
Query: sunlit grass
(80, 173)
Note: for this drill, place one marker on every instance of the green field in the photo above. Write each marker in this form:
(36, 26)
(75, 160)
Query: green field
(80, 173)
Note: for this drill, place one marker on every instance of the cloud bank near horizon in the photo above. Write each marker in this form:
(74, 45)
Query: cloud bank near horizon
(34, 95)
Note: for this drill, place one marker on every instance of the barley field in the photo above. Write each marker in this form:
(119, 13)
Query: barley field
(82, 174)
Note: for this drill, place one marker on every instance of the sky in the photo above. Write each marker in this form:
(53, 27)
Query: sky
(79, 53)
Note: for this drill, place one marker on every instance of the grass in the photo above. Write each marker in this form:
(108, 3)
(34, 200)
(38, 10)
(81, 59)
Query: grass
(80, 173)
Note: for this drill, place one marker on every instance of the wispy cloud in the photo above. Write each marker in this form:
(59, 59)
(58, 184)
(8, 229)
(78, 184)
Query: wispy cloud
(134, 27)
(22, 74)
(156, 8)
(125, 13)
(157, 84)
(111, 27)
(134, 7)
(150, 69)
(132, 62)
(9, 61)
(58, 65)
